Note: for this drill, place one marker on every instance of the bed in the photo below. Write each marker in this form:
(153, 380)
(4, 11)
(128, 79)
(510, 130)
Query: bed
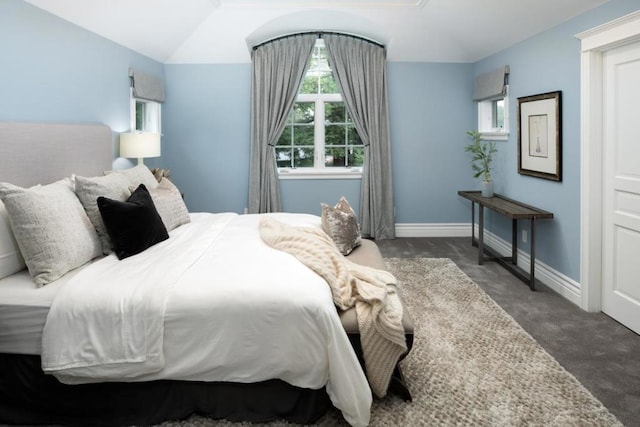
(229, 351)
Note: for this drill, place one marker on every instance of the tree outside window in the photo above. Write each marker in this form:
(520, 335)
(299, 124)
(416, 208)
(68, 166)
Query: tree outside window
(319, 132)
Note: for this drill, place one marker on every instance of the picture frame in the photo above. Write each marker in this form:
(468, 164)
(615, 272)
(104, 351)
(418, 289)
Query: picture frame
(540, 135)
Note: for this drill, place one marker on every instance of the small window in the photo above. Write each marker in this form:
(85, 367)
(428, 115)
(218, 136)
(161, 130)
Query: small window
(493, 118)
(320, 138)
(145, 115)
(498, 114)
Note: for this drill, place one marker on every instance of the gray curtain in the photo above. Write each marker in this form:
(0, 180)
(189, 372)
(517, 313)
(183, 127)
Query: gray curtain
(278, 68)
(360, 70)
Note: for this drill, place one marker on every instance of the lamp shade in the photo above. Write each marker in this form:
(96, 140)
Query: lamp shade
(140, 145)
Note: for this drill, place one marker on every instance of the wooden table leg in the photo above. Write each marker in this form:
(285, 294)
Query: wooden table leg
(473, 220)
(480, 234)
(532, 267)
(514, 241)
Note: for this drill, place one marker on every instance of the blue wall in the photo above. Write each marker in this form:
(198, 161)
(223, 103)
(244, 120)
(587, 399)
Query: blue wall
(545, 63)
(206, 134)
(430, 111)
(54, 71)
(206, 144)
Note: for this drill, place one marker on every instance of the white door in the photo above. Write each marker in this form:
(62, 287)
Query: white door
(621, 186)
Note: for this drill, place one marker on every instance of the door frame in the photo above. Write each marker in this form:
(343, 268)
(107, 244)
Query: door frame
(594, 43)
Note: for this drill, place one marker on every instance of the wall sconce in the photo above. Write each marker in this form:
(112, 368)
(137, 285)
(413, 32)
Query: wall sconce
(140, 145)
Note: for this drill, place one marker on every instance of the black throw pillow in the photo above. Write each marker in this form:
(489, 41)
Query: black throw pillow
(134, 225)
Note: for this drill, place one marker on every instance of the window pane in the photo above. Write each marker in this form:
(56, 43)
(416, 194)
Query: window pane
(334, 112)
(356, 156)
(309, 84)
(303, 112)
(285, 138)
(283, 157)
(303, 157)
(335, 156)
(328, 83)
(140, 115)
(352, 136)
(303, 135)
(498, 114)
(335, 135)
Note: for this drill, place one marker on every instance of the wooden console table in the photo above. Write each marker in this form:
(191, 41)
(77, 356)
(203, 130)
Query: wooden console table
(514, 210)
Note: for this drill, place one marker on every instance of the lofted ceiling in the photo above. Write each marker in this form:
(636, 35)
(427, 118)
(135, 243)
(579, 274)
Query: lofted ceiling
(222, 31)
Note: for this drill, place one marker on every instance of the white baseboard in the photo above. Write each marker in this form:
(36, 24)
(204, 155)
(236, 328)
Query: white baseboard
(563, 285)
(560, 283)
(433, 230)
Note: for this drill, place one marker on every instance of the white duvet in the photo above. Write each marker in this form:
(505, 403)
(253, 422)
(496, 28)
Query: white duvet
(212, 303)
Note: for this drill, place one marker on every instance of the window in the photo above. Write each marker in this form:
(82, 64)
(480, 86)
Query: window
(320, 138)
(491, 92)
(145, 115)
(493, 118)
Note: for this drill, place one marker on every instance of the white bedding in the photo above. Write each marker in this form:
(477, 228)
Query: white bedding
(215, 305)
(23, 311)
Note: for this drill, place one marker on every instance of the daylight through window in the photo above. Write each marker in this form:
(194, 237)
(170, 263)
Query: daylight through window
(319, 132)
(493, 118)
(145, 115)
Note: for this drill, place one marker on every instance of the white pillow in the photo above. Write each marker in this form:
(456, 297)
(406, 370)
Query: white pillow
(170, 205)
(51, 227)
(138, 175)
(114, 186)
(11, 260)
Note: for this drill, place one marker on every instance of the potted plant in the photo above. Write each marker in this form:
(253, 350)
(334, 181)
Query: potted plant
(482, 152)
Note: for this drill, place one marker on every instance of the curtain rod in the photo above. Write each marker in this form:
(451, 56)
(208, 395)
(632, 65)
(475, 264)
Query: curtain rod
(319, 34)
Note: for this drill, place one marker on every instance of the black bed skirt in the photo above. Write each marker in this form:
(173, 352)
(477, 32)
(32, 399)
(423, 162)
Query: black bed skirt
(28, 396)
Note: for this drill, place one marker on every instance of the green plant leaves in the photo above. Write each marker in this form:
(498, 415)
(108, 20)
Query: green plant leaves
(482, 155)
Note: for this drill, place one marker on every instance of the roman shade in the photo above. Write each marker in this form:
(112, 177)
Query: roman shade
(146, 86)
(491, 85)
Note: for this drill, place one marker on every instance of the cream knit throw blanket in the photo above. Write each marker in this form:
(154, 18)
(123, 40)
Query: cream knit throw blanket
(378, 307)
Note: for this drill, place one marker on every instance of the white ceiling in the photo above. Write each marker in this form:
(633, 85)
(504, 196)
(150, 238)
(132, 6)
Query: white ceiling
(221, 31)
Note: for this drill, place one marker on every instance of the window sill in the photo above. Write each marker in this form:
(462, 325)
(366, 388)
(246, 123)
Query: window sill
(329, 173)
(495, 136)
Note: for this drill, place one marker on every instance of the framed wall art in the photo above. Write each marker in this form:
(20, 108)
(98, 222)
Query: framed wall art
(540, 135)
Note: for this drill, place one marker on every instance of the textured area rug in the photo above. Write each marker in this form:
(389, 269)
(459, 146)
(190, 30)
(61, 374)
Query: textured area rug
(471, 363)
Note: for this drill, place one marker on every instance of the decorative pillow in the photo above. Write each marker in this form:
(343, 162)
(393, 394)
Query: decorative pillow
(133, 225)
(52, 229)
(160, 173)
(168, 201)
(138, 175)
(114, 186)
(341, 224)
(11, 260)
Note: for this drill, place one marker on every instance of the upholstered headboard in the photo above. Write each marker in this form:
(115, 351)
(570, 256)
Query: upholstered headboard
(40, 153)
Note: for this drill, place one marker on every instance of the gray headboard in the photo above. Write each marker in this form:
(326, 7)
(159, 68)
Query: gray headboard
(40, 153)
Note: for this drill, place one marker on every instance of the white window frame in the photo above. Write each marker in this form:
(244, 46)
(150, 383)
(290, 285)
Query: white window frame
(487, 118)
(152, 121)
(319, 170)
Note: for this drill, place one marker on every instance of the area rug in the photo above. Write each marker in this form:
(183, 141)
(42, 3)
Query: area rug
(471, 364)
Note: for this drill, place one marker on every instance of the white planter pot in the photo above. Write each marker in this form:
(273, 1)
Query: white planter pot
(487, 188)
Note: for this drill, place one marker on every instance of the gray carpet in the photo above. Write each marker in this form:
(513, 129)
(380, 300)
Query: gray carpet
(471, 364)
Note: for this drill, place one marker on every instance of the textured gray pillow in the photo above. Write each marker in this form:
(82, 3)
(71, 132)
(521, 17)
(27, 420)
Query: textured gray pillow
(114, 186)
(138, 175)
(169, 204)
(341, 224)
(51, 227)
